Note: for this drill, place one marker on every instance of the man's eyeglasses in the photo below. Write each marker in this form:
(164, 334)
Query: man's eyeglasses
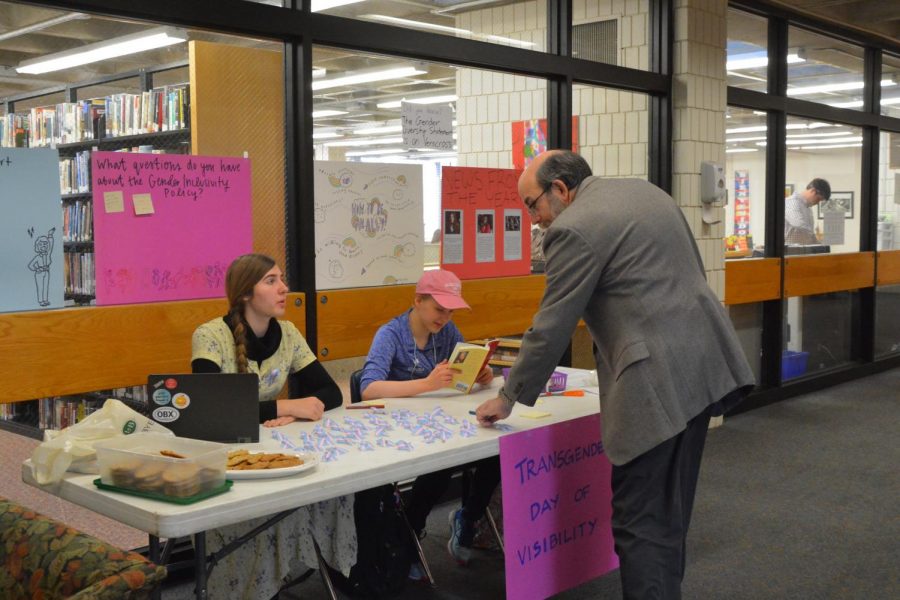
(532, 206)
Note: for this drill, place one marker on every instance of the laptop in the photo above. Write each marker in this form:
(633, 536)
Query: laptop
(216, 407)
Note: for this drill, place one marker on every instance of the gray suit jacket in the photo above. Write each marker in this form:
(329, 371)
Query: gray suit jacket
(623, 258)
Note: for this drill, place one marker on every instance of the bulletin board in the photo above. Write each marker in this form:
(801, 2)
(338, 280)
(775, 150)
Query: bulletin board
(485, 227)
(31, 232)
(166, 226)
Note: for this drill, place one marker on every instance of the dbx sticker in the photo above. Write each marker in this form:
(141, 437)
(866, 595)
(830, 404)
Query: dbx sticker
(166, 414)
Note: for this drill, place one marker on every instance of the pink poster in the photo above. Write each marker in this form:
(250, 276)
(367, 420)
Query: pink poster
(557, 507)
(166, 226)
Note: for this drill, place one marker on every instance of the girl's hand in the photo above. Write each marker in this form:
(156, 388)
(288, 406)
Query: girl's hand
(279, 421)
(440, 377)
(307, 408)
(485, 377)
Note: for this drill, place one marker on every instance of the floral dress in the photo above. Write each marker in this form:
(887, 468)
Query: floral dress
(258, 569)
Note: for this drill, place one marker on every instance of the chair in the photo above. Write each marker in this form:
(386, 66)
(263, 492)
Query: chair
(355, 397)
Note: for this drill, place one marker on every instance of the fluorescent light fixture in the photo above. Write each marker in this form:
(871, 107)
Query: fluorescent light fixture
(859, 103)
(367, 77)
(321, 114)
(739, 150)
(319, 72)
(372, 142)
(798, 136)
(378, 130)
(382, 152)
(326, 135)
(755, 128)
(744, 139)
(121, 46)
(423, 100)
(449, 30)
(320, 5)
(417, 24)
(834, 87)
(830, 147)
(744, 61)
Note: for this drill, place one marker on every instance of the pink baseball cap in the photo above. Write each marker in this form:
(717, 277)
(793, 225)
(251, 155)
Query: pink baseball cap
(444, 287)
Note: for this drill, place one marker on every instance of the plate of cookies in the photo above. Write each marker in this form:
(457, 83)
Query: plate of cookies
(243, 464)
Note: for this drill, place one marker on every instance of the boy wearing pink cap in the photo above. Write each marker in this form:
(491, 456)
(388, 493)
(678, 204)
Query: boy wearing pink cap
(409, 357)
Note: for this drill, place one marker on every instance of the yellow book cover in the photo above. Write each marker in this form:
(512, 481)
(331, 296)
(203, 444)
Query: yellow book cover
(467, 361)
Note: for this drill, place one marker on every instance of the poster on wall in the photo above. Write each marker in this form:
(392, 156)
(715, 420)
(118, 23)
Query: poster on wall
(368, 220)
(529, 138)
(741, 202)
(167, 226)
(557, 508)
(482, 221)
(31, 230)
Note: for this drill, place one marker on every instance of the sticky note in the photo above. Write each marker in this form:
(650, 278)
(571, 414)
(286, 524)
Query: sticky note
(143, 204)
(373, 402)
(534, 414)
(114, 202)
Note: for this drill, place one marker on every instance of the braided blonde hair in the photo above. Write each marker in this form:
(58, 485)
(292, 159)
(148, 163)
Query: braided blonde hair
(242, 275)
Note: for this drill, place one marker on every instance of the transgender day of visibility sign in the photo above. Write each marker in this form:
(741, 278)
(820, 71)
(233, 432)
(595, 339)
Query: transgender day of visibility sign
(557, 508)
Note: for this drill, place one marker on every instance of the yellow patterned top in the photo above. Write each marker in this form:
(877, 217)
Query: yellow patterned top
(214, 341)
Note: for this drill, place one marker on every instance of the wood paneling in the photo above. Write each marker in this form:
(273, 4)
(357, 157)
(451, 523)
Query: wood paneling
(75, 350)
(888, 267)
(823, 273)
(348, 319)
(237, 106)
(752, 280)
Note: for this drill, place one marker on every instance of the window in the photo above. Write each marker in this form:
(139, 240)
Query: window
(826, 70)
(745, 173)
(747, 51)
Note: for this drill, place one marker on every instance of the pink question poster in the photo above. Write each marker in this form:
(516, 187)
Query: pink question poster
(166, 226)
(557, 508)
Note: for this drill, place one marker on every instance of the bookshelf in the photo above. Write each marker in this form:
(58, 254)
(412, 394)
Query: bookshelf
(155, 120)
(506, 353)
(235, 119)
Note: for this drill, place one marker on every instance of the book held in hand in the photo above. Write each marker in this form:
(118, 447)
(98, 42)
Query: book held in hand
(467, 361)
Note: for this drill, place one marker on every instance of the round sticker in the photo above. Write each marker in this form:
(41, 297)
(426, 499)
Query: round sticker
(166, 415)
(162, 397)
(171, 382)
(129, 427)
(181, 400)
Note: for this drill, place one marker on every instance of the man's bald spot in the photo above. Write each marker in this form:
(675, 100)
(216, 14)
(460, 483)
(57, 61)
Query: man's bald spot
(530, 173)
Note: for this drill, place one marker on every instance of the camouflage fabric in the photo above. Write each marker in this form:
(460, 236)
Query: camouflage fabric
(43, 559)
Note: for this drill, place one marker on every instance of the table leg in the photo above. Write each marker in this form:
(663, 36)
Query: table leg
(200, 567)
(153, 546)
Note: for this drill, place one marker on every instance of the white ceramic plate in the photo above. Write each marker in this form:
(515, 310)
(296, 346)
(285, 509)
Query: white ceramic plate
(310, 461)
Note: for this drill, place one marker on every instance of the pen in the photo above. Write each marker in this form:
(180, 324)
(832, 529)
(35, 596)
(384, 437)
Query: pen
(364, 406)
(471, 412)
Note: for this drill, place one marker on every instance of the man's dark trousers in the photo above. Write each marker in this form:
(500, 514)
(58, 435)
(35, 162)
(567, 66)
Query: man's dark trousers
(653, 496)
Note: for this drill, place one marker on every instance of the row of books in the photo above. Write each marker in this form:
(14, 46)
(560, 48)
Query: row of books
(160, 109)
(59, 412)
(75, 174)
(78, 221)
(79, 273)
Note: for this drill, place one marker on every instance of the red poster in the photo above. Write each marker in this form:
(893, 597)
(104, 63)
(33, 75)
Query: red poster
(486, 230)
(529, 138)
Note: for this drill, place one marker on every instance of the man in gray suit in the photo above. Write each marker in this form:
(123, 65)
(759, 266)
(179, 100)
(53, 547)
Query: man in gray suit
(620, 255)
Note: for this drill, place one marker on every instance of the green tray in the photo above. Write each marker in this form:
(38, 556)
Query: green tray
(154, 496)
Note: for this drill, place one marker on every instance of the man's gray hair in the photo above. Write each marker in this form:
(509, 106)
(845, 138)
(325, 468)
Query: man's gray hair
(564, 165)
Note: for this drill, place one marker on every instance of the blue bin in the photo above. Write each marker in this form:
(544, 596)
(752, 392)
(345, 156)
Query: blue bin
(793, 364)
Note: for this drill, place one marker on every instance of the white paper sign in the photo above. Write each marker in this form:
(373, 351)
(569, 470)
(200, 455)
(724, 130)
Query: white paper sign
(834, 227)
(427, 125)
(368, 221)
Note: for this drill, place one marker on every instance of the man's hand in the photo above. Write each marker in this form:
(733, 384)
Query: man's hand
(492, 410)
(485, 377)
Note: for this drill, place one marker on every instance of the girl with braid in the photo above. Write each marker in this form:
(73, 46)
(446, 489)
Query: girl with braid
(251, 339)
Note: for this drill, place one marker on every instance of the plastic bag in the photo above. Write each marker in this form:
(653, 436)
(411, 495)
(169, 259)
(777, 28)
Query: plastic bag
(72, 449)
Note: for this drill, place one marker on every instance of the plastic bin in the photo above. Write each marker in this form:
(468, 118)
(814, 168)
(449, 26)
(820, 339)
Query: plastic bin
(557, 381)
(793, 364)
(134, 462)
